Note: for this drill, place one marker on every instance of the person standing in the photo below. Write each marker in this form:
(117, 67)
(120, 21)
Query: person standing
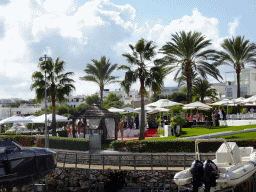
(251, 110)
(125, 121)
(213, 119)
(220, 114)
(137, 121)
(194, 118)
(121, 129)
(216, 116)
(224, 114)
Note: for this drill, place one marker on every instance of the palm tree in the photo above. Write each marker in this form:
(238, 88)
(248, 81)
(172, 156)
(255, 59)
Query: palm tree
(100, 72)
(138, 70)
(237, 52)
(202, 88)
(58, 84)
(187, 54)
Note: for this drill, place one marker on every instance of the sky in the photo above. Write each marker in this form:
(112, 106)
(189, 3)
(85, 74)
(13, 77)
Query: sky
(78, 31)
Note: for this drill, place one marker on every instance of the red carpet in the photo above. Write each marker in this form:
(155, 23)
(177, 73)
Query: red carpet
(151, 133)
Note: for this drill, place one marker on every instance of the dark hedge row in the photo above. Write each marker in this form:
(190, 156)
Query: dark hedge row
(80, 144)
(174, 145)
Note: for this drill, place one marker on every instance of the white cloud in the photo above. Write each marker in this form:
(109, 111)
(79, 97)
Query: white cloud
(233, 26)
(78, 33)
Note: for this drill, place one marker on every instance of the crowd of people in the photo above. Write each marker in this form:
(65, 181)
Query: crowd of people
(195, 117)
(218, 115)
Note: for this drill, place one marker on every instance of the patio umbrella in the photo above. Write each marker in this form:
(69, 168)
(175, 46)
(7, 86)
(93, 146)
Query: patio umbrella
(147, 109)
(163, 103)
(250, 99)
(15, 119)
(116, 110)
(196, 105)
(222, 102)
(129, 109)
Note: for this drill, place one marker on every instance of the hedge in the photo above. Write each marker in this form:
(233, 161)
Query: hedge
(173, 145)
(23, 140)
(80, 144)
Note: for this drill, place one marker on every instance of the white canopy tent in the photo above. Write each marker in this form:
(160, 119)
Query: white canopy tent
(15, 119)
(41, 119)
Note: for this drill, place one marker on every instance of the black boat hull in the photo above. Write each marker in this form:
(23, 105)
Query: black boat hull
(20, 166)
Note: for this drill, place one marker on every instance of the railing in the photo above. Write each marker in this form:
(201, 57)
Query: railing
(127, 161)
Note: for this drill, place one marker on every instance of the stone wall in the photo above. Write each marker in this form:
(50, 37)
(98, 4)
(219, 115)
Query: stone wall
(70, 179)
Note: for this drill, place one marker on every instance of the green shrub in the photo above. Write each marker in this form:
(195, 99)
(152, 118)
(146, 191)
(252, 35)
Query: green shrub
(173, 145)
(23, 140)
(160, 131)
(79, 144)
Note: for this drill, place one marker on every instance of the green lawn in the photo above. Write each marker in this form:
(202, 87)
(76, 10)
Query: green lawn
(188, 132)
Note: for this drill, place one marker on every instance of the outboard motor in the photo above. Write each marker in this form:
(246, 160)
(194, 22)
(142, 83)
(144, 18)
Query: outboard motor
(197, 174)
(210, 175)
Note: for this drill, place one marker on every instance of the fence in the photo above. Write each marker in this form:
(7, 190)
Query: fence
(128, 161)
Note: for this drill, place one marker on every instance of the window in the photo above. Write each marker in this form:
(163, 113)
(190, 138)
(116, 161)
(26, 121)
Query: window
(243, 91)
(253, 76)
(229, 92)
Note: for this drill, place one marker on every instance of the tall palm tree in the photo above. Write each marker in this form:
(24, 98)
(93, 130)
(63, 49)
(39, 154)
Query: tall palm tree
(138, 70)
(202, 88)
(237, 52)
(58, 84)
(188, 53)
(100, 72)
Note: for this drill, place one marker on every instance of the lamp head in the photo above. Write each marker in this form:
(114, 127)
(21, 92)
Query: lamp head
(41, 59)
(49, 59)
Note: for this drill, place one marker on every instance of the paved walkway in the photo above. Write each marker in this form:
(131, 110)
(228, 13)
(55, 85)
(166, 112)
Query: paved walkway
(83, 166)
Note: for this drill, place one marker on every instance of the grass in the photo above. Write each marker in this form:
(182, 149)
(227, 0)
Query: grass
(188, 132)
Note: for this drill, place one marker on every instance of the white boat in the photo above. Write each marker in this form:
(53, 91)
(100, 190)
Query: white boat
(232, 166)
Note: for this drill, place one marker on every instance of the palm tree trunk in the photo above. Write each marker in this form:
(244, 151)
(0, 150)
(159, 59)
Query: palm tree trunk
(53, 116)
(101, 95)
(238, 71)
(142, 121)
(238, 82)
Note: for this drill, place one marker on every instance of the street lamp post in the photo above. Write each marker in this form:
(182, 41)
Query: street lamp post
(45, 100)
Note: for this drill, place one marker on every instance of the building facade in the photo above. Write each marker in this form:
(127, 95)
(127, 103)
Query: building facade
(171, 90)
(128, 99)
(247, 83)
(25, 109)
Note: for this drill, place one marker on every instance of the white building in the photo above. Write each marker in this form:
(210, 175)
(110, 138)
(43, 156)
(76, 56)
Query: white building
(25, 109)
(133, 95)
(170, 90)
(73, 101)
(220, 89)
(247, 83)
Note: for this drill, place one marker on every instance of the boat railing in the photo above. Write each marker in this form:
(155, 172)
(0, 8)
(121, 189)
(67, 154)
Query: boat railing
(197, 141)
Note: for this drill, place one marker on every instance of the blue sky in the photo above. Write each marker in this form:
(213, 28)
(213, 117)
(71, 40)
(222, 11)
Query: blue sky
(78, 31)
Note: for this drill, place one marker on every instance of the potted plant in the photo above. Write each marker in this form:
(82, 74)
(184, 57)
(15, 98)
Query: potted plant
(177, 122)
